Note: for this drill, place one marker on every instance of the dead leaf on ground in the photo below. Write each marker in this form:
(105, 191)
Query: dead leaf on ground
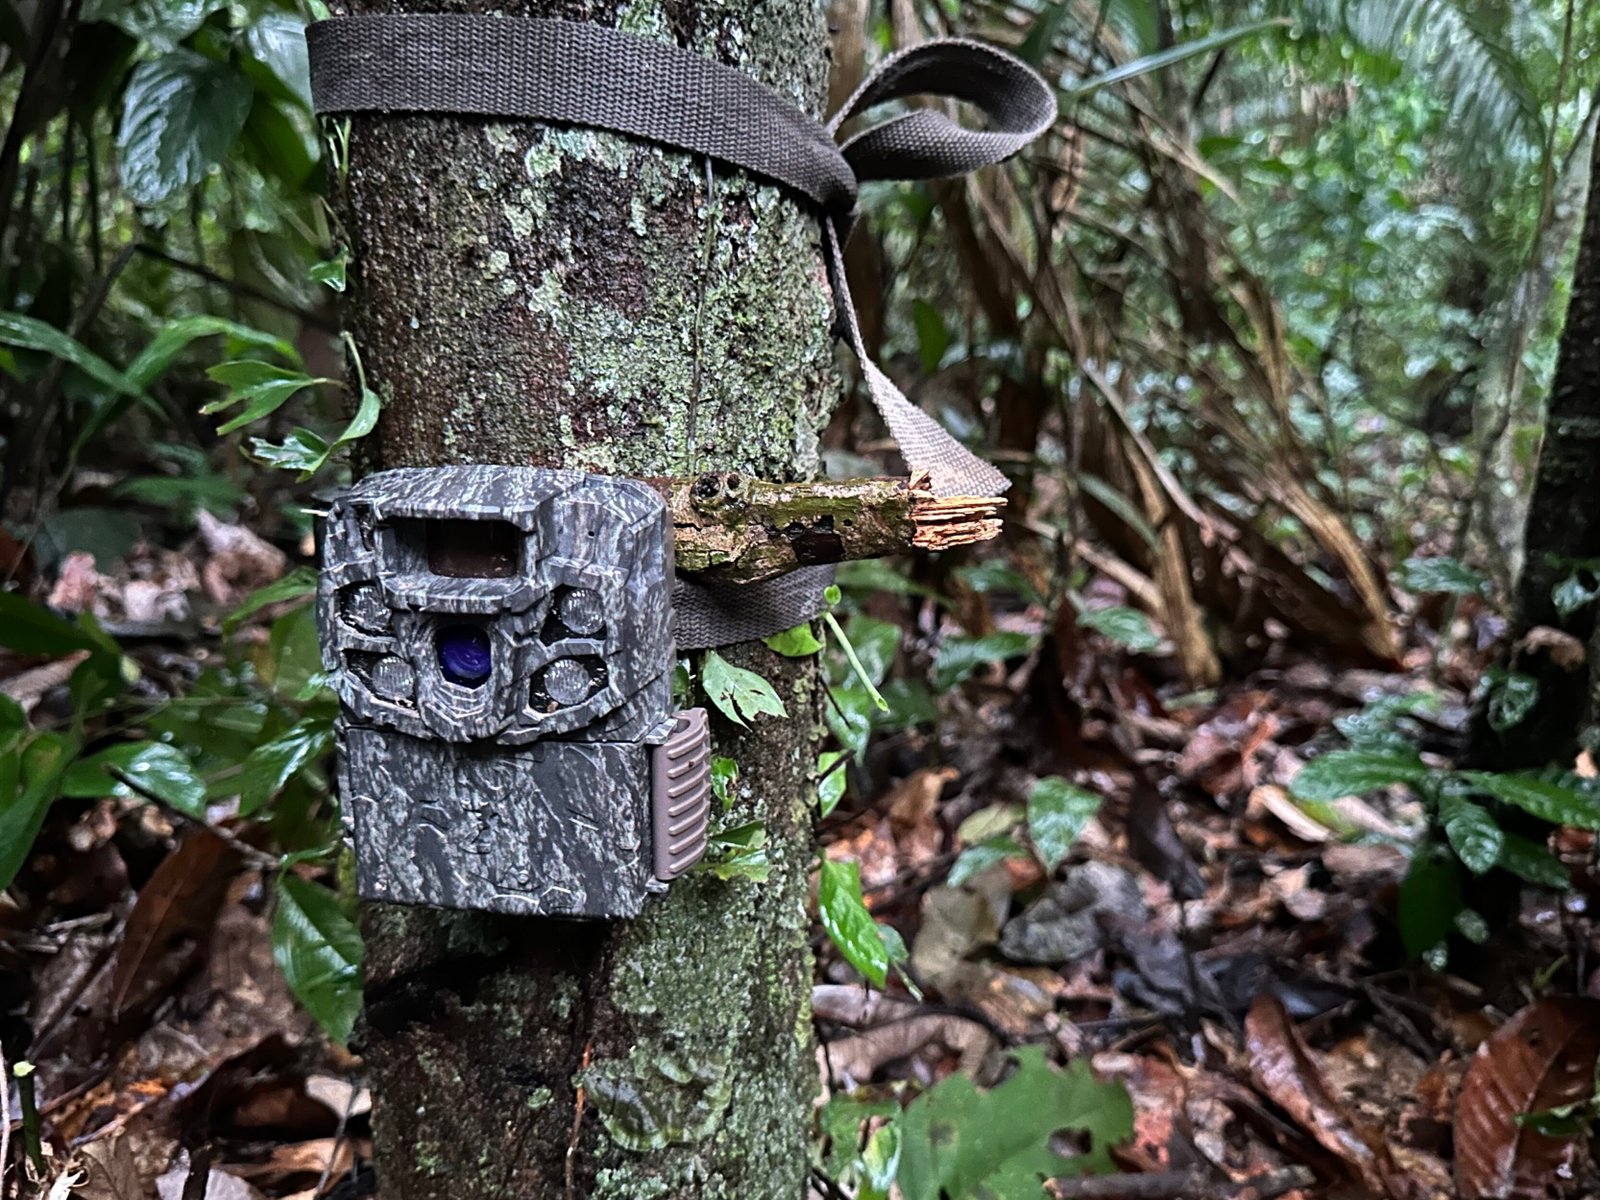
(110, 1172)
(1283, 1068)
(176, 906)
(1543, 1058)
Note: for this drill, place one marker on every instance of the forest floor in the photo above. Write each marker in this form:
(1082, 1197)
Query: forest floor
(1226, 954)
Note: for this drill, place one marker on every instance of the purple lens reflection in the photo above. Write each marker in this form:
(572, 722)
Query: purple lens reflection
(464, 654)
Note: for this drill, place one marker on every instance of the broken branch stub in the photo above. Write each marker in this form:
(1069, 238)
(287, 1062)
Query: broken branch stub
(730, 528)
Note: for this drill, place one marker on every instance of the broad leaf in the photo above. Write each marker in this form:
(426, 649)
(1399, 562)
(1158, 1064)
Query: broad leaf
(272, 764)
(154, 770)
(30, 333)
(1441, 574)
(849, 924)
(960, 657)
(1558, 803)
(1126, 626)
(162, 23)
(975, 860)
(1341, 773)
(318, 949)
(997, 1145)
(300, 582)
(1531, 860)
(1474, 834)
(181, 114)
(1430, 898)
(831, 781)
(38, 771)
(738, 693)
(798, 642)
(1057, 815)
(33, 629)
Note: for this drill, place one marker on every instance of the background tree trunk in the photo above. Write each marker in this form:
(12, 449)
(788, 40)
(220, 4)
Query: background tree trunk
(1563, 527)
(565, 297)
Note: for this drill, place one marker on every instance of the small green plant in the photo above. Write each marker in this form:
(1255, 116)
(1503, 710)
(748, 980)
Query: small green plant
(1465, 833)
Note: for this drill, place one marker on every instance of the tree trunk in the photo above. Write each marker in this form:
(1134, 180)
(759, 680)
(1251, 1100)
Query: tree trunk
(565, 297)
(1563, 529)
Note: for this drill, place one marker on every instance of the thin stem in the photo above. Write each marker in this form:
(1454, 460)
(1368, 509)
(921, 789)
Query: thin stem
(855, 663)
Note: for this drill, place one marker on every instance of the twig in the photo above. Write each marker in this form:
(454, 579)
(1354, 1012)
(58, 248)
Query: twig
(338, 1141)
(733, 529)
(577, 1127)
(1193, 1184)
(256, 858)
(314, 319)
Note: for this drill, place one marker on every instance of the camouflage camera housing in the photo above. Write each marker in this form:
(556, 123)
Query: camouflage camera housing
(501, 643)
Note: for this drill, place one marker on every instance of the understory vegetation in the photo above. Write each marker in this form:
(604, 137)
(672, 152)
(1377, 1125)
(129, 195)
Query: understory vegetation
(1183, 831)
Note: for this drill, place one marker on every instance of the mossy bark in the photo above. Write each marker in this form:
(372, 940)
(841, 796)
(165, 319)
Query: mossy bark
(1562, 535)
(565, 297)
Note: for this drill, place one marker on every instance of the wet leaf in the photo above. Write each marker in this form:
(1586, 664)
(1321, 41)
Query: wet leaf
(831, 780)
(975, 860)
(1532, 861)
(156, 770)
(1543, 1058)
(35, 773)
(272, 764)
(318, 949)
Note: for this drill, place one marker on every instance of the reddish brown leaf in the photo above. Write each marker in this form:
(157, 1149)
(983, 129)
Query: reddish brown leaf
(1542, 1058)
(1282, 1066)
(176, 906)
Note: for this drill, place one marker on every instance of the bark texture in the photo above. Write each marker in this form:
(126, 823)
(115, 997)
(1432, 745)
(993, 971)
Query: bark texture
(566, 297)
(1562, 532)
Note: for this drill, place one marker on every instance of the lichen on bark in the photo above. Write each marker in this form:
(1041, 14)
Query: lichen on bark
(566, 297)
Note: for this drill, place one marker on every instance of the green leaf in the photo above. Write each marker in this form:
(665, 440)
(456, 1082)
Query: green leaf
(302, 451)
(318, 949)
(176, 336)
(831, 781)
(272, 764)
(956, 1141)
(876, 644)
(33, 629)
(302, 581)
(847, 921)
(331, 272)
(1058, 812)
(1126, 626)
(798, 642)
(975, 860)
(1125, 509)
(724, 778)
(181, 114)
(1512, 697)
(29, 333)
(849, 712)
(739, 853)
(1430, 899)
(1171, 56)
(1558, 803)
(1531, 860)
(162, 23)
(277, 40)
(738, 693)
(157, 770)
(933, 338)
(1441, 574)
(262, 387)
(1473, 832)
(1341, 773)
(960, 657)
(1578, 590)
(39, 770)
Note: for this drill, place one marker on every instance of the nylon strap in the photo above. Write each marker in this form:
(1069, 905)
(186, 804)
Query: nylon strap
(589, 75)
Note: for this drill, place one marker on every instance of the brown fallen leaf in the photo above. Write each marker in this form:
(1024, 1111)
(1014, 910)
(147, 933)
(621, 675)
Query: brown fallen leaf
(179, 901)
(1283, 1068)
(109, 1172)
(1542, 1058)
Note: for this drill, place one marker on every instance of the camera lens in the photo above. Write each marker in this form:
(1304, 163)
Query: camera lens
(464, 654)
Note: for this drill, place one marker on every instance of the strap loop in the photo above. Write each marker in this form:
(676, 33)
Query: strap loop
(584, 74)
